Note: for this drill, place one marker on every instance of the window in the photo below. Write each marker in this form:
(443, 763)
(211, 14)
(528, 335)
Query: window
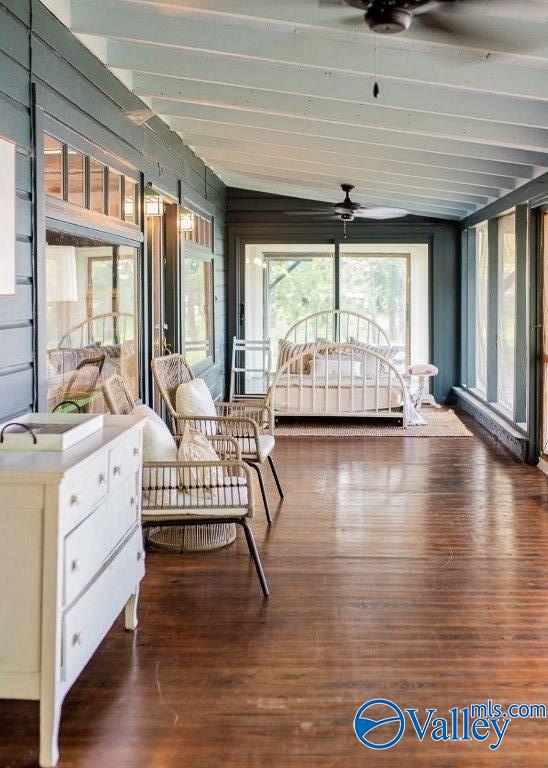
(82, 181)
(97, 186)
(198, 293)
(196, 228)
(378, 286)
(114, 194)
(131, 201)
(481, 304)
(76, 164)
(91, 318)
(506, 314)
(53, 166)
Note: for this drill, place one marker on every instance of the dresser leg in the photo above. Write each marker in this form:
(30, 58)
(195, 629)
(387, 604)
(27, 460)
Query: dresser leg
(131, 610)
(50, 715)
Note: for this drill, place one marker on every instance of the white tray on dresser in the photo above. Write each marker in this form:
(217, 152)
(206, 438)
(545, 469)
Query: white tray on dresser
(71, 559)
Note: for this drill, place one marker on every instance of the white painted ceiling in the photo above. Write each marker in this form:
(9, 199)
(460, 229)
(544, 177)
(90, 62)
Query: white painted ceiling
(277, 95)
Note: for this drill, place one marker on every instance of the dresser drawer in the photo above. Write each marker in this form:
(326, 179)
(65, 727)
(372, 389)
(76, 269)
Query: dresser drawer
(125, 459)
(84, 487)
(91, 544)
(86, 623)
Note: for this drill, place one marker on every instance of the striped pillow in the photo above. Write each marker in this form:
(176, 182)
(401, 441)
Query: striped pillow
(288, 349)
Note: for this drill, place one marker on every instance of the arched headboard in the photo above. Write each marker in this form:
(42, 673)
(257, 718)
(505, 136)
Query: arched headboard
(338, 325)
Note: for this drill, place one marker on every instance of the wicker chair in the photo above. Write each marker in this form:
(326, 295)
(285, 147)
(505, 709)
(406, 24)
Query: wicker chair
(247, 422)
(227, 497)
(117, 396)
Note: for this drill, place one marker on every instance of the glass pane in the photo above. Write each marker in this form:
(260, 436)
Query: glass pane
(91, 319)
(377, 286)
(506, 312)
(53, 166)
(131, 201)
(198, 292)
(114, 193)
(97, 180)
(295, 286)
(76, 177)
(545, 337)
(482, 299)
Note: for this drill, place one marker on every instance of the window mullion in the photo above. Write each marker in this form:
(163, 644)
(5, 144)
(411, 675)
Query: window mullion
(492, 316)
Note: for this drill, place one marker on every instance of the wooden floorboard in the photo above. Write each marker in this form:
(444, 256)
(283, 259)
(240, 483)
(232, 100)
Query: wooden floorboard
(410, 569)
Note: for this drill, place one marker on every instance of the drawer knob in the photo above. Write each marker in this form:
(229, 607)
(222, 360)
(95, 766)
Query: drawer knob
(75, 565)
(77, 638)
(74, 499)
(135, 451)
(139, 555)
(132, 501)
(117, 469)
(102, 478)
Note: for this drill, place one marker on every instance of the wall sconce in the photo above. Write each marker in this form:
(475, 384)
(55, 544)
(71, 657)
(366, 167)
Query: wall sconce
(7, 218)
(154, 205)
(186, 221)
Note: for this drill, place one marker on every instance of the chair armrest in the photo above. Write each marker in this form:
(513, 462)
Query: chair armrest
(258, 411)
(226, 446)
(233, 426)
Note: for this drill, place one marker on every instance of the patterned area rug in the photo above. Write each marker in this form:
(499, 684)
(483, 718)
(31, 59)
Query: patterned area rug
(442, 423)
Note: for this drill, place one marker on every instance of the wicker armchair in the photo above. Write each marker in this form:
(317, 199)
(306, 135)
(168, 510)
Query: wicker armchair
(214, 492)
(117, 396)
(247, 422)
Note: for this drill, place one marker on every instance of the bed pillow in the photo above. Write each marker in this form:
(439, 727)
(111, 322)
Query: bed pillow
(192, 400)
(288, 349)
(158, 445)
(332, 367)
(195, 446)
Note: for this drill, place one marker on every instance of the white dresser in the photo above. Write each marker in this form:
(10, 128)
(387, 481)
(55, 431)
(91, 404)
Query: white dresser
(71, 558)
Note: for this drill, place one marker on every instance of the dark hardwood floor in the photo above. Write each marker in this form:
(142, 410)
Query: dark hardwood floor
(409, 569)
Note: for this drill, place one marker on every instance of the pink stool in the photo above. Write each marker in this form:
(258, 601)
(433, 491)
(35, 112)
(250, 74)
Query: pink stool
(424, 371)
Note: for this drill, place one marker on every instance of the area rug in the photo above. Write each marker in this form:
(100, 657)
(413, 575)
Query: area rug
(442, 423)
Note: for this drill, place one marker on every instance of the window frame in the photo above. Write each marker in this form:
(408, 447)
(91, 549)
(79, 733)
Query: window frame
(195, 251)
(520, 417)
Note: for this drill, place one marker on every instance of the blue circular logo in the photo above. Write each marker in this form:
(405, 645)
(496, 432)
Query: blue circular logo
(384, 713)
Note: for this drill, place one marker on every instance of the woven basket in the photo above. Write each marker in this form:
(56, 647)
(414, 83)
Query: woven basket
(192, 538)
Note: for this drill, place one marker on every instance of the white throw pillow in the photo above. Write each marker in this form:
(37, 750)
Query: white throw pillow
(333, 367)
(192, 400)
(195, 446)
(158, 445)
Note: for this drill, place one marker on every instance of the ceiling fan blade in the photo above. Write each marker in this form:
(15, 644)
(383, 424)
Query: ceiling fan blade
(381, 212)
(460, 28)
(308, 212)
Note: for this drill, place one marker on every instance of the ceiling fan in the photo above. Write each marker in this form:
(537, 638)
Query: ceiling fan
(347, 210)
(446, 16)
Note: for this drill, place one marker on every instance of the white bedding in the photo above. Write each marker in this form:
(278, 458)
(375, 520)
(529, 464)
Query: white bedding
(296, 393)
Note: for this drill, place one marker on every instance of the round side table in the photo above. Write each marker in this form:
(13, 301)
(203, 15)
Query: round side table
(424, 371)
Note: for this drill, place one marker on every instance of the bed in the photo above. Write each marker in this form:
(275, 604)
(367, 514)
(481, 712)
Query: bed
(338, 364)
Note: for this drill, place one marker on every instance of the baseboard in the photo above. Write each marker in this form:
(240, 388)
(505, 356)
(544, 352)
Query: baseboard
(543, 465)
(505, 433)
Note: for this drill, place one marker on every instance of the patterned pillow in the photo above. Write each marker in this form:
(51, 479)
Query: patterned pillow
(195, 446)
(288, 349)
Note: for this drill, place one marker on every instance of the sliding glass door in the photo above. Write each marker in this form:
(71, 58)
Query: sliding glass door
(378, 286)
(296, 286)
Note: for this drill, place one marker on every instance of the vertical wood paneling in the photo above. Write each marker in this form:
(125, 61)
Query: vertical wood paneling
(16, 312)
